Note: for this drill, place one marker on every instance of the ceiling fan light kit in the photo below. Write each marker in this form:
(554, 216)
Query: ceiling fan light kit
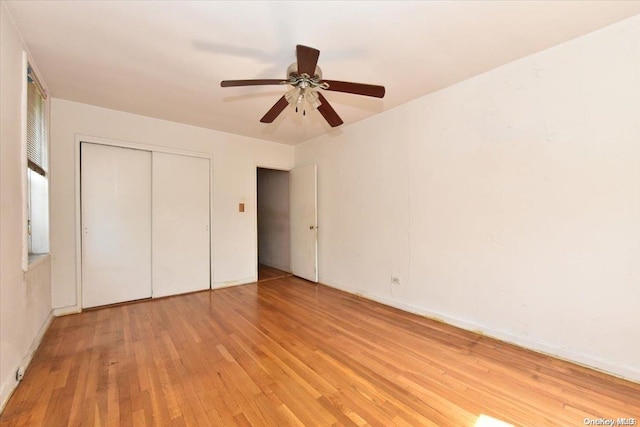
(305, 77)
(305, 88)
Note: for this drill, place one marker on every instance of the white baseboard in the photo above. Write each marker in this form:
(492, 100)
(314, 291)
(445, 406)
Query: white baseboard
(63, 311)
(9, 386)
(629, 373)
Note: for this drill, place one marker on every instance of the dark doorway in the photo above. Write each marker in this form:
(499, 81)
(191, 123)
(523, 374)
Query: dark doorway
(273, 224)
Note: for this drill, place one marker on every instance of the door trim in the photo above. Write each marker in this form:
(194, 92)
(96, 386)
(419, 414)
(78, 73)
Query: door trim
(79, 139)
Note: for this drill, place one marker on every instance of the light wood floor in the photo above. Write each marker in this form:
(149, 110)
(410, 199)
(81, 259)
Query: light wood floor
(286, 352)
(270, 273)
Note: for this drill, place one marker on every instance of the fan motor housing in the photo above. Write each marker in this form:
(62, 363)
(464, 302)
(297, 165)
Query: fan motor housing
(293, 69)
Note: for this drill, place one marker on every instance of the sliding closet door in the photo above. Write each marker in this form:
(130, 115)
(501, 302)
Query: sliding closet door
(181, 260)
(116, 224)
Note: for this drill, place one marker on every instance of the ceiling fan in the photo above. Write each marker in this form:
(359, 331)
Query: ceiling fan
(306, 78)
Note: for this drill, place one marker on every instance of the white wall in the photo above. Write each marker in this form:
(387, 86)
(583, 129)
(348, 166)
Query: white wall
(508, 203)
(25, 299)
(273, 219)
(234, 181)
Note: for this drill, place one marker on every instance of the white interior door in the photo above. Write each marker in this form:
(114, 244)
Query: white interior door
(181, 260)
(116, 224)
(304, 222)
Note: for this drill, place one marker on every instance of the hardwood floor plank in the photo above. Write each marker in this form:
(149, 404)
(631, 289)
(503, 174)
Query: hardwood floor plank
(289, 417)
(287, 352)
(270, 273)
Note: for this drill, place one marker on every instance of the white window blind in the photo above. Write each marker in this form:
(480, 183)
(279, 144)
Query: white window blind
(36, 128)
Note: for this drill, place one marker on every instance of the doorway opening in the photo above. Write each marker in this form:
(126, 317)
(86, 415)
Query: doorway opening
(274, 250)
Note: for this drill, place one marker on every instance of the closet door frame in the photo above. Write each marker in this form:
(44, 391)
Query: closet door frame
(79, 139)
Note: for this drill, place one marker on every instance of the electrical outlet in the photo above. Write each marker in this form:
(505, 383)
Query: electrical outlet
(395, 280)
(19, 374)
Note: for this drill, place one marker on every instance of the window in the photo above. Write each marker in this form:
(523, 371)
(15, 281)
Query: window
(37, 165)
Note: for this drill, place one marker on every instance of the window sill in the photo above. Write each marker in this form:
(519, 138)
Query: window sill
(36, 259)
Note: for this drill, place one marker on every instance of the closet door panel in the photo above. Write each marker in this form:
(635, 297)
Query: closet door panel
(181, 243)
(116, 224)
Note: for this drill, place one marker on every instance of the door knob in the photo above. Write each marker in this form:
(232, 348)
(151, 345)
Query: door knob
(311, 227)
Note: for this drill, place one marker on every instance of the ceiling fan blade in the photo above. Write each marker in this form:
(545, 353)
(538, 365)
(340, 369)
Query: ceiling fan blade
(230, 83)
(307, 59)
(328, 112)
(275, 111)
(356, 88)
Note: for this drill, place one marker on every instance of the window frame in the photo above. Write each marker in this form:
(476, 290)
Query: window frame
(30, 261)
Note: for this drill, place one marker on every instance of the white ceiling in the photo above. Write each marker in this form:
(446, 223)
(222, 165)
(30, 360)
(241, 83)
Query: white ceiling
(166, 59)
